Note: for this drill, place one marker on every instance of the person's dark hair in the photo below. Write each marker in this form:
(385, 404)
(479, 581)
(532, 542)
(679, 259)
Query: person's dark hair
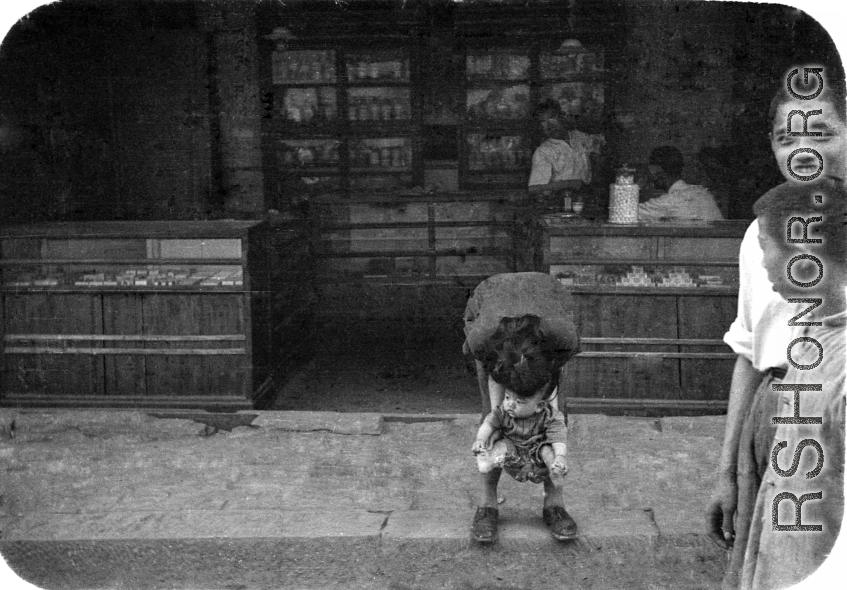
(548, 105)
(834, 92)
(788, 200)
(669, 158)
(517, 357)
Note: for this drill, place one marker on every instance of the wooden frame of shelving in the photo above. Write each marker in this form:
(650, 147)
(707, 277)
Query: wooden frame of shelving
(524, 127)
(380, 125)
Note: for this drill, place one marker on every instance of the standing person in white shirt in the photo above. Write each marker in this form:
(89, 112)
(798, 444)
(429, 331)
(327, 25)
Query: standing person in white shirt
(760, 331)
(690, 202)
(563, 160)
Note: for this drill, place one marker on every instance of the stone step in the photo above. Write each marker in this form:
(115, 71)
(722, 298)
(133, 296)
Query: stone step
(325, 549)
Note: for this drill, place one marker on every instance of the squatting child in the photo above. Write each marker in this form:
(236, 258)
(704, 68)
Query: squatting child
(526, 435)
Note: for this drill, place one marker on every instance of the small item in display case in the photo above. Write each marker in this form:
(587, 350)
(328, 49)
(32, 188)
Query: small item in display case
(488, 152)
(636, 277)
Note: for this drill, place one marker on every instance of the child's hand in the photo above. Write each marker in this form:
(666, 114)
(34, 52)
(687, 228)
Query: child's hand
(559, 465)
(478, 447)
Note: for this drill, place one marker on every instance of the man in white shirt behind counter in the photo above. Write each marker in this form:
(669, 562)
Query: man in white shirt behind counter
(683, 201)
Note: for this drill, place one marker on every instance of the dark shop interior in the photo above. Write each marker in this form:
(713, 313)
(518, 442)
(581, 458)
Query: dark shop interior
(229, 205)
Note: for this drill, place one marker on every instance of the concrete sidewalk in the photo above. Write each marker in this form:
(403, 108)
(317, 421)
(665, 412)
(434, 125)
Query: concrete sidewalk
(117, 499)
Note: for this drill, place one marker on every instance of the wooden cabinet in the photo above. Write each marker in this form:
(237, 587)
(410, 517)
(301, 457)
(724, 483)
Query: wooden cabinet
(503, 85)
(165, 314)
(652, 303)
(340, 117)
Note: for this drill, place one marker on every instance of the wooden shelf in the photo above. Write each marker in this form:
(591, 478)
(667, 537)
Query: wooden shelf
(562, 260)
(655, 291)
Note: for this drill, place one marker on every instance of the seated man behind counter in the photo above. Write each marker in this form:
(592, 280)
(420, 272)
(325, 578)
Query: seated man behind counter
(563, 160)
(683, 201)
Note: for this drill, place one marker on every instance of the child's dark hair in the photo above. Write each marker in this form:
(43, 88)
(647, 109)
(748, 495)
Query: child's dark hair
(518, 357)
(834, 92)
(789, 200)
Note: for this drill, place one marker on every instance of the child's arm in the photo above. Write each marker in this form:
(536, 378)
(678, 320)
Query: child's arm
(482, 436)
(486, 429)
(557, 435)
(560, 461)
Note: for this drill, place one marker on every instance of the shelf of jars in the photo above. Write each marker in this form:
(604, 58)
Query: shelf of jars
(343, 119)
(503, 87)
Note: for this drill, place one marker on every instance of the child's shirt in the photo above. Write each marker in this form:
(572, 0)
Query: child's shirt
(546, 426)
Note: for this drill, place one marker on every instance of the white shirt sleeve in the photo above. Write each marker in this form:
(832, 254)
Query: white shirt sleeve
(655, 208)
(542, 168)
(740, 334)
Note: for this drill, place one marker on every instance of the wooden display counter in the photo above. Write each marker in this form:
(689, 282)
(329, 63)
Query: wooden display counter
(652, 303)
(150, 314)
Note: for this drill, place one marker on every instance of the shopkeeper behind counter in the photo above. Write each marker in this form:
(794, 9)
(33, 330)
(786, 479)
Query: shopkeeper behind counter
(682, 201)
(563, 160)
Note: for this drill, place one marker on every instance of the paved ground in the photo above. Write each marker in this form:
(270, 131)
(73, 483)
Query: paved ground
(115, 499)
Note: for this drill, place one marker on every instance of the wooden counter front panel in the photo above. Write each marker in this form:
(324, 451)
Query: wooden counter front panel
(646, 316)
(706, 318)
(123, 314)
(699, 249)
(53, 374)
(610, 247)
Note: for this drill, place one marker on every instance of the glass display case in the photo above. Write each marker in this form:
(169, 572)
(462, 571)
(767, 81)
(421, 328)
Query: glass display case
(651, 302)
(164, 314)
(343, 119)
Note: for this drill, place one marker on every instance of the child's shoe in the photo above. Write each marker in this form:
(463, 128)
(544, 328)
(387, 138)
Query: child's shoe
(560, 523)
(484, 527)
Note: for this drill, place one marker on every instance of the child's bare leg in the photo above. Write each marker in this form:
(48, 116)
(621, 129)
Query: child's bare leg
(557, 519)
(489, 488)
(554, 484)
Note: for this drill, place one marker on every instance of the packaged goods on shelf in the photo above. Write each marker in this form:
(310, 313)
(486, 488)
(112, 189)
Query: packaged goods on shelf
(497, 66)
(299, 67)
(510, 102)
(366, 69)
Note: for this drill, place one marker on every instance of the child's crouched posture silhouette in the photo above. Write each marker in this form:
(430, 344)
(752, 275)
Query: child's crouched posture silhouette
(526, 435)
